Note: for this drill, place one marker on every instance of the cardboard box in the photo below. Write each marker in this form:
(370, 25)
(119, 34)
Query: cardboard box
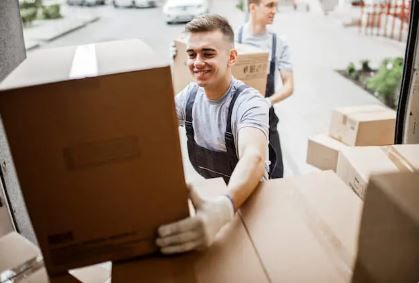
(90, 150)
(389, 234)
(365, 125)
(356, 164)
(21, 261)
(323, 151)
(304, 228)
(231, 258)
(251, 67)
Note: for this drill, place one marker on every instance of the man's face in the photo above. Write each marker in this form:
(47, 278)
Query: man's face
(209, 57)
(265, 11)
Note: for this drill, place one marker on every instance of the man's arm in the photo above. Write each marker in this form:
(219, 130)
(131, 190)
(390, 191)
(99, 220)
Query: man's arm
(199, 231)
(287, 89)
(249, 170)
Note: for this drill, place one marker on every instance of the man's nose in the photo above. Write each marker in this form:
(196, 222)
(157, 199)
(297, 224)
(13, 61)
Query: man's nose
(199, 60)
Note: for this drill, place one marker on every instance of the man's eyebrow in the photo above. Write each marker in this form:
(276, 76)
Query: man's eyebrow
(203, 49)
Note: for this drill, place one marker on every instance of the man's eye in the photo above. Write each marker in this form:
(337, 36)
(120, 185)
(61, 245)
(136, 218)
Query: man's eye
(191, 55)
(209, 54)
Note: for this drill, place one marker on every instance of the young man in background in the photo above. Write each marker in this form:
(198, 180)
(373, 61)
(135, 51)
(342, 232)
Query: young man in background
(255, 32)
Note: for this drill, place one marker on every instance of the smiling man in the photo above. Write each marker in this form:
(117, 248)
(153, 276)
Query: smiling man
(227, 126)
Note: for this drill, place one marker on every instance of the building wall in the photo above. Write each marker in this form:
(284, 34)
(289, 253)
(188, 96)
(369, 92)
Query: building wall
(12, 53)
(12, 46)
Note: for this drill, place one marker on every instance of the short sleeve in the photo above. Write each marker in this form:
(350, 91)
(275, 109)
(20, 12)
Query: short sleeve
(253, 112)
(284, 56)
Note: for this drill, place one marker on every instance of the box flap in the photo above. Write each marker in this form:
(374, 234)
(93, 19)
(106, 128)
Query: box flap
(405, 154)
(77, 62)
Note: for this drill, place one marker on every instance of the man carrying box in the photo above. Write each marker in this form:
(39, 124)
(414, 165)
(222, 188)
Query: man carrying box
(227, 130)
(256, 33)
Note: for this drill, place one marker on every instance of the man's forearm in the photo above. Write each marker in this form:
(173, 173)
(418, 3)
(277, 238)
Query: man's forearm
(282, 94)
(246, 176)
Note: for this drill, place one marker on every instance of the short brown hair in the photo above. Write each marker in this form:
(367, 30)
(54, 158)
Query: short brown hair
(257, 2)
(207, 23)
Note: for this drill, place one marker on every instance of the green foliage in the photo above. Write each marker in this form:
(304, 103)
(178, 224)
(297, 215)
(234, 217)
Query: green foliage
(51, 11)
(28, 15)
(351, 69)
(240, 5)
(386, 82)
(365, 66)
(26, 4)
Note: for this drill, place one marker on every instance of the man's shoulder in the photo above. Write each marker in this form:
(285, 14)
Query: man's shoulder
(249, 95)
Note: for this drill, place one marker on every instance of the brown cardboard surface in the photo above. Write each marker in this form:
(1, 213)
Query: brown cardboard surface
(323, 151)
(405, 156)
(304, 228)
(251, 67)
(231, 258)
(356, 164)
(91, 173)
(389, 234)
(365, 125)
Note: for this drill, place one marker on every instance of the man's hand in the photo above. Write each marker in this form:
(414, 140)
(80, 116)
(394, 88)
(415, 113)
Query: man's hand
(198, 231)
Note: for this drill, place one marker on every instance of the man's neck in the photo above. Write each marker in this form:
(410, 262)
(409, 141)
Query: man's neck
(256, 28)
(218, 91)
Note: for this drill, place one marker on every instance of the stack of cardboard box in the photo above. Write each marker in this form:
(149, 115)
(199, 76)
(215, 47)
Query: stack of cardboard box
(359, 144)
(90, 165)
(366, 125)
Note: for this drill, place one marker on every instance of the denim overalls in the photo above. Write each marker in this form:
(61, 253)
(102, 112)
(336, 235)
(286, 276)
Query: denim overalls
(209, 163)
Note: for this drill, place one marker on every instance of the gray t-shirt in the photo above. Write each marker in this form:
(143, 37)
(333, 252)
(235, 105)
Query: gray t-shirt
(264, 41)
(209, 117)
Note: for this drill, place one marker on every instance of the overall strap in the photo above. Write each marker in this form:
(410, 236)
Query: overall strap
(240, 35)
(273, 57)
(229, 137)
(188, 111)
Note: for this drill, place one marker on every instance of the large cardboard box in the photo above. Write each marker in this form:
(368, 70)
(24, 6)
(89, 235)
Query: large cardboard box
(389, 235)
(231, 258)
(323, 151)
(91, 129)
(357, 164)
(304, 228)
(251, 67)
(366, 125)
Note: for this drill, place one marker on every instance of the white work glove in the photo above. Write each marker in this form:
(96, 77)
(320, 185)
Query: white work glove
(198, 231)
(268, 99)
(173, 50)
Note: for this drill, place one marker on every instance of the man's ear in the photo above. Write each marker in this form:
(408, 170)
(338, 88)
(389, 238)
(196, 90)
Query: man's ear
(232, 57)
(252, 7)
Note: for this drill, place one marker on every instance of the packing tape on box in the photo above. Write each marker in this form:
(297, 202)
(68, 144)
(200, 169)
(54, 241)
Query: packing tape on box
(400, 161)
(16, 274)
(331, 244)
(84, 62)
